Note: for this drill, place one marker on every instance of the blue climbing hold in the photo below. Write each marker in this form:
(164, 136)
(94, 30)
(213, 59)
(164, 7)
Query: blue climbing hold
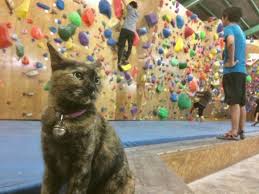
(142, 31)
(194, 17)
(108, 33)
(39, 65)
(90, 58)
(167, 32)
(179, 21)
(174, 97)
(60, 4)
(111, 42)
(161, 51)
(53, 29)
(105, 8)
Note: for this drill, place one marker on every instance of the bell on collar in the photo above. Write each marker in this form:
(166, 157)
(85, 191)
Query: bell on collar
(59, 130)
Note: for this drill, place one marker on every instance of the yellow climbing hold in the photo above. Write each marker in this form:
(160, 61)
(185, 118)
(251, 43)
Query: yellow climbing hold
(22, 10)
(126, 67)
(179, 45)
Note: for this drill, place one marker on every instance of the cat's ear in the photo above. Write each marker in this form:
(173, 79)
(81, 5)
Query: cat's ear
(55, 57)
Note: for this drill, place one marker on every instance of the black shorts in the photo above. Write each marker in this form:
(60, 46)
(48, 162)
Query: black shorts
(234, 85)
(200, 108)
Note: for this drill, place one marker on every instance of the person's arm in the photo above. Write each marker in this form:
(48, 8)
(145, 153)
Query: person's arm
(230, 46)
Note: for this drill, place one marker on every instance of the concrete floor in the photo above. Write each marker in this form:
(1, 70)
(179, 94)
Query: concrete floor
(241, 178)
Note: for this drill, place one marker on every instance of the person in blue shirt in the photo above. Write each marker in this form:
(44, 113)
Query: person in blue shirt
(127, 32)
(234, 73)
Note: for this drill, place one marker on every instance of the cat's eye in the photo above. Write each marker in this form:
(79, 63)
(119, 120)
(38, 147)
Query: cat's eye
(78, 75)
(97, 80)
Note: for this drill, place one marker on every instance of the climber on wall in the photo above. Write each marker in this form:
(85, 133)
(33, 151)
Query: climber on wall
(204, 99)
(127, 32)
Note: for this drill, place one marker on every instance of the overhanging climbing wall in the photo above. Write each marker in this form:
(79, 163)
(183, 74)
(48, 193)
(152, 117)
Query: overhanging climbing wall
(177, 54)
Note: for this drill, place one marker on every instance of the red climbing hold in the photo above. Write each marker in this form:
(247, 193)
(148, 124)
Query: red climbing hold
(188, 32)
(25, 61)
(88, 17)
(118, 8)
(5, 39)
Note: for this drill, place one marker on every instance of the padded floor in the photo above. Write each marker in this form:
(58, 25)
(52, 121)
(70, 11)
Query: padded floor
(21, 163)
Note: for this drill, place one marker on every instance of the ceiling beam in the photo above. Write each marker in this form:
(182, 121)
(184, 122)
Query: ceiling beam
(207, 10)
(190, 3)
(252, 30)
(255, 6)
(242, 19)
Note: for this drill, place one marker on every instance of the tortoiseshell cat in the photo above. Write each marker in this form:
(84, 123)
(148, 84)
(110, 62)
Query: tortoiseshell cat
(80, 149)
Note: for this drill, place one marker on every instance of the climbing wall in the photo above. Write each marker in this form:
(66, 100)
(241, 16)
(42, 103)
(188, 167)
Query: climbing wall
(174, 55)
(24, 77)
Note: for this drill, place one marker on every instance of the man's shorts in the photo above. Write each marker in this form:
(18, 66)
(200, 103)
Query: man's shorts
(234, 85)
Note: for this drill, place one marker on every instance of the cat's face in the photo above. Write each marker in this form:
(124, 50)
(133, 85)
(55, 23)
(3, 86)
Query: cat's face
(72, 81)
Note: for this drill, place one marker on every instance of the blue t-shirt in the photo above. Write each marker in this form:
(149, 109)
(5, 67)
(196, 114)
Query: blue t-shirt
(240, 48)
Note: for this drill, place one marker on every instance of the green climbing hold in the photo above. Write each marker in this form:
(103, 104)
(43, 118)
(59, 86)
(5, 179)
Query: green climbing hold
(182, 65)
(192, 53)
(65, 32)
(75, 18)
(202, 35)
(249, 79)
(174, 61)
(19, 49)
(184, 102)
(163, 113)
(166, 44)
(159, 88)
(47, 86)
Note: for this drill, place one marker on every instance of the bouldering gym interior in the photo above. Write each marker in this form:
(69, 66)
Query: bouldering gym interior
(123, 97)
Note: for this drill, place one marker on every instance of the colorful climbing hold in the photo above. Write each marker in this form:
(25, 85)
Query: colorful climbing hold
(118, 8)
(179, 45)
(22, 10)
(184, 102)
(36, 33)
(111, 42)
(65, 32)
(25, 61)
(108, 33)
(60, 4)
(182, 65)
(188, 32)
(179, 21)
(5, 39)
(192, 53)
(202, 35)
(88, 17)
(167, 32)
(248, 78)
(193, 86)
(142, 31)
(105, 8)
(174, 61)
(136, 39)
(42, 6)
(19, 49)
(174, 97)
(75, 18)
(83, 38)
(163, 113)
